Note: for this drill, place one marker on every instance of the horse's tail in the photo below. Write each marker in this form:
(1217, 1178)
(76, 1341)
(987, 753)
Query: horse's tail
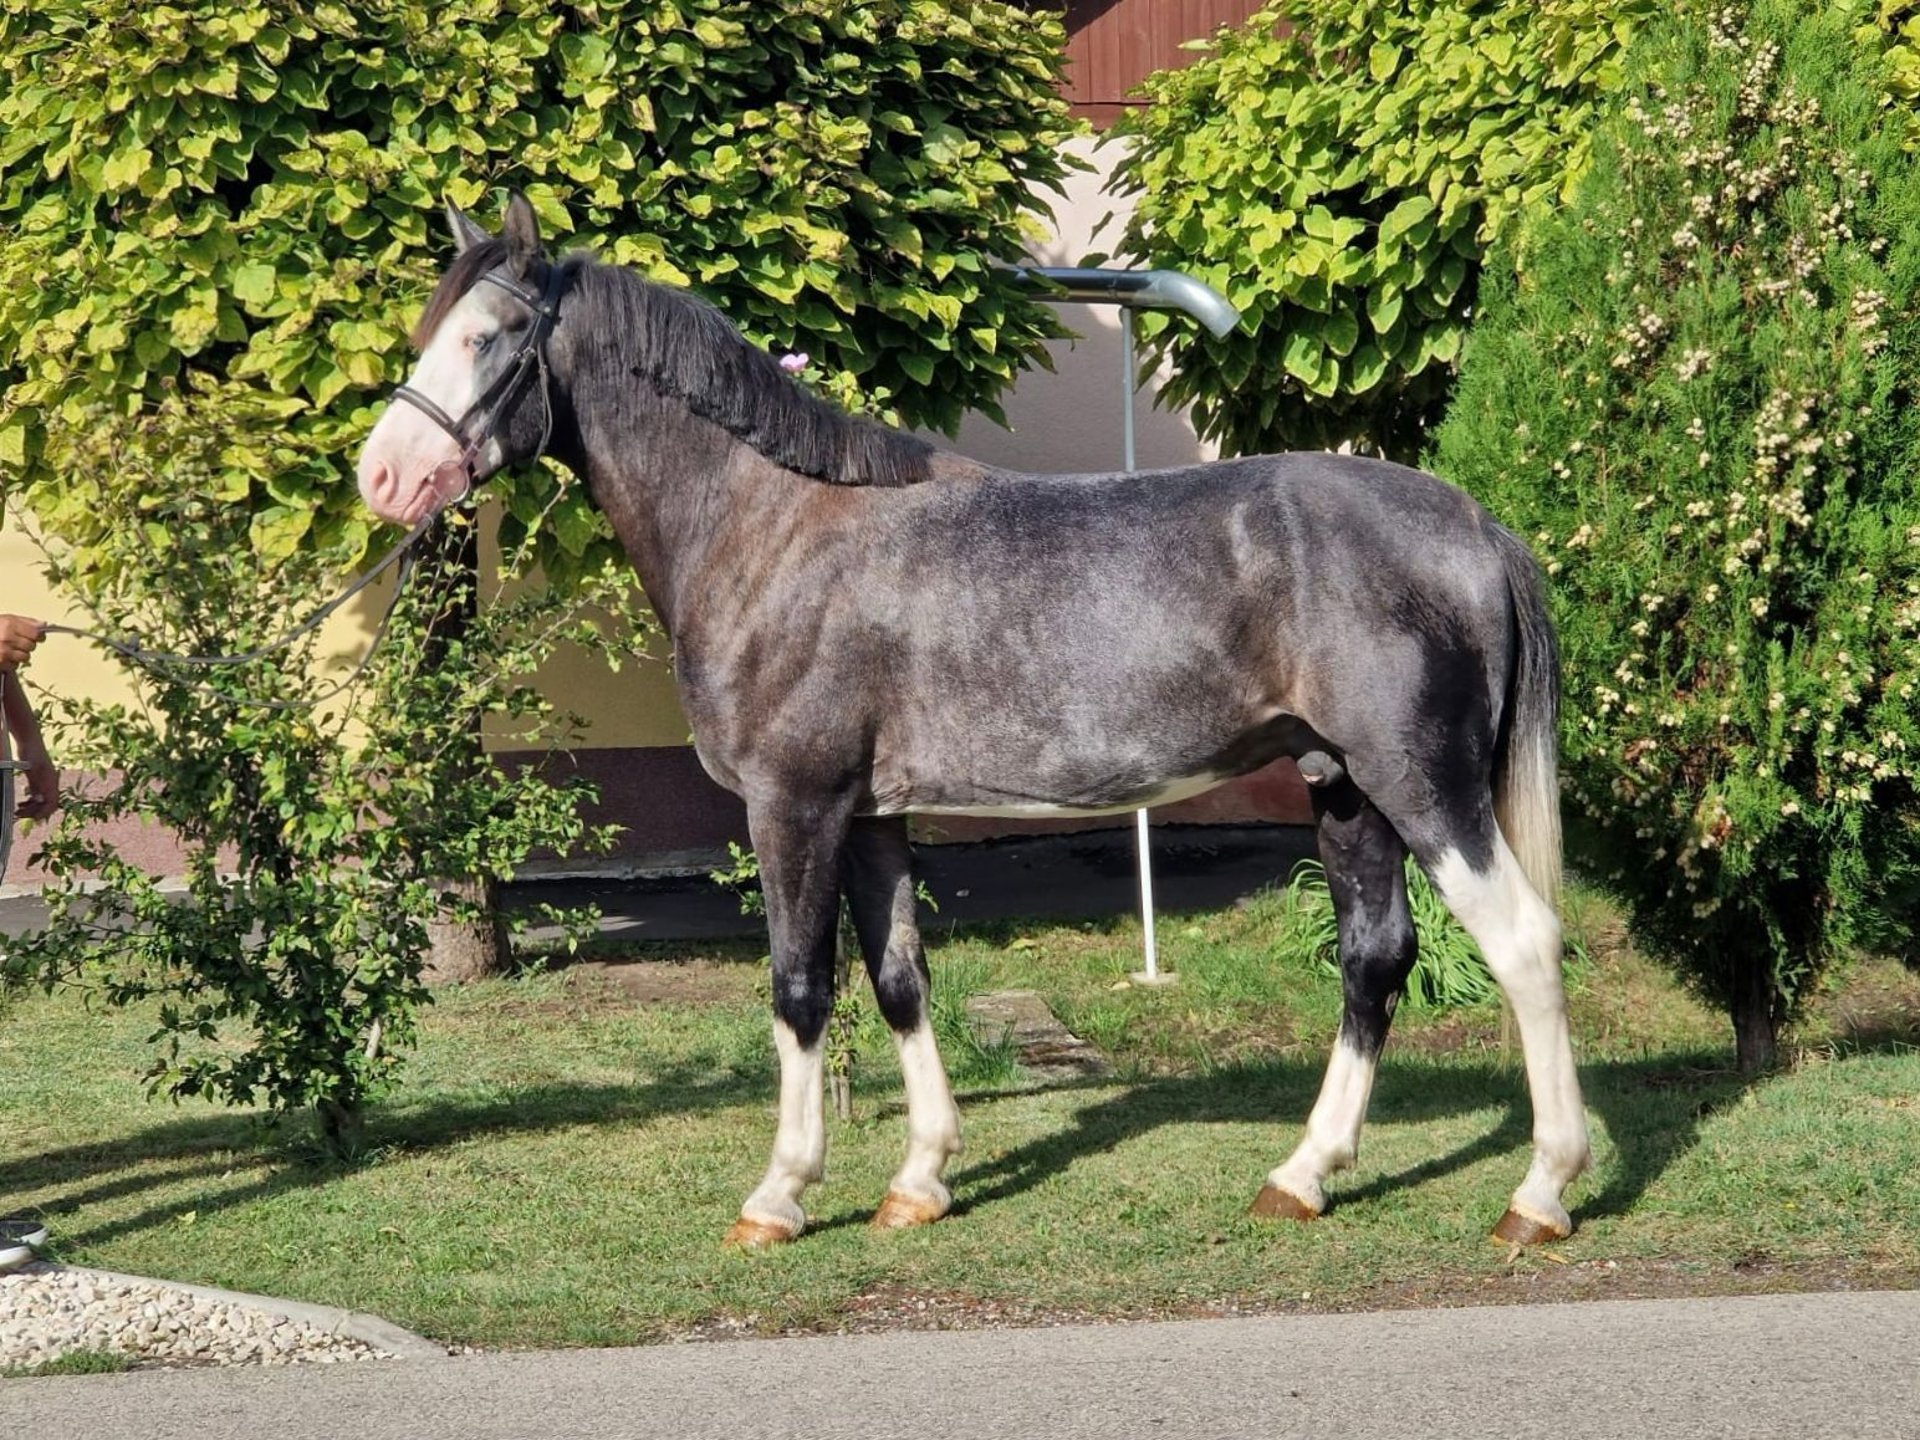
(1526, 780)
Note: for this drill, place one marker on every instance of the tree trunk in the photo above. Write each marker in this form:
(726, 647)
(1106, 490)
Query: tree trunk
(343, 1127)
(842, 1022)
(1755, 1017)
(464, 950)
(460, 951)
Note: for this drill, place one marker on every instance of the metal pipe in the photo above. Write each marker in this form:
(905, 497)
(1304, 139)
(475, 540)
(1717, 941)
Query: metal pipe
(1142, 850)
(1137, 289)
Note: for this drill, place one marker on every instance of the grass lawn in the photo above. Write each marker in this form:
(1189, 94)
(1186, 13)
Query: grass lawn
(565, 1156)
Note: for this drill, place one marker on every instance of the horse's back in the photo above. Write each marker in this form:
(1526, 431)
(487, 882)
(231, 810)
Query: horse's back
(1293, 531)
(1079, 640)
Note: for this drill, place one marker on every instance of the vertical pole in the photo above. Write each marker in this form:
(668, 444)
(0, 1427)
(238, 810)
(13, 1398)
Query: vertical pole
(1151, 974)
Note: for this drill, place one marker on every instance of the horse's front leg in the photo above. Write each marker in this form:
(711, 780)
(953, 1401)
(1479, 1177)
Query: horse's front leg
(798, 846)
(879, 880)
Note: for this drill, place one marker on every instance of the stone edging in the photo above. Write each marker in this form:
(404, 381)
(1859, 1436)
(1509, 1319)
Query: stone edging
(355, 1325)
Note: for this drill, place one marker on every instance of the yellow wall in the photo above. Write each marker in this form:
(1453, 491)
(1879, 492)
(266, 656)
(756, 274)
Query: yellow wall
(636, 707)
(63, 665)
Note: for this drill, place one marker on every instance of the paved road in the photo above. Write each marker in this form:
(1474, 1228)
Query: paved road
(1829, 1366)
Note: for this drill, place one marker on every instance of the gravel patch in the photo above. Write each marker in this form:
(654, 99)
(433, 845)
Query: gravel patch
(47, 1312)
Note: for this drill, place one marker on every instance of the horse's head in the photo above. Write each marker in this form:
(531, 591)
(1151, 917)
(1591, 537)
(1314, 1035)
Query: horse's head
(478, 400)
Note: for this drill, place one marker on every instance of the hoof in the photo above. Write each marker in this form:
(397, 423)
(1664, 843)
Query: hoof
(1518, 1228)
(1273, 1203)
(906, 1212)
(751, 1234)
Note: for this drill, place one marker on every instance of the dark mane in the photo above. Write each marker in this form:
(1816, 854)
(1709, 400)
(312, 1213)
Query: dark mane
(689, 352)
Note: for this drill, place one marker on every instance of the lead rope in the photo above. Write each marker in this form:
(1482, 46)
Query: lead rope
(159, 661)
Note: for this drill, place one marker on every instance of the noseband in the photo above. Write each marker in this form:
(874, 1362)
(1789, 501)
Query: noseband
(477, 425)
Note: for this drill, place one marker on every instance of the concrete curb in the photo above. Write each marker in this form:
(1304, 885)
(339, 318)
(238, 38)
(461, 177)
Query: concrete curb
(355, 1325)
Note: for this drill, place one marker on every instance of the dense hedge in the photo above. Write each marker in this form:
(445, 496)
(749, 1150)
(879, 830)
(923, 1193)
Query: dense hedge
(1699, 401)
(239, 199)
(1338, 170)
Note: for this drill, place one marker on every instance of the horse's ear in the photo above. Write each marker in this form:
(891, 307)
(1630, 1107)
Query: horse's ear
(522, 234)
(465, 233)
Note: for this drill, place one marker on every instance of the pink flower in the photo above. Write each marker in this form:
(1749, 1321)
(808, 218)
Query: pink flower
(795, 363)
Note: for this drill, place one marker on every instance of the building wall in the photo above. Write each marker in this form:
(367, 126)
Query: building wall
(1071, 418)
(1112, 45)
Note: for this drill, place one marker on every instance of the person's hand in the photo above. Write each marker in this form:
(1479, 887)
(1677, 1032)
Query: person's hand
(43, 785)
(18, 636)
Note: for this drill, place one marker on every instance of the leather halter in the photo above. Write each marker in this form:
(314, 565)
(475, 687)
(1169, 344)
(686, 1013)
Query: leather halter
(476, 426)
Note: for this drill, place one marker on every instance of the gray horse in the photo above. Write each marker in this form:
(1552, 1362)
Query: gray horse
(865, 627)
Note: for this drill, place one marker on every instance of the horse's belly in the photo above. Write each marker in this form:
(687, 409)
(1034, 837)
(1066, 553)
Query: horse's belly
(1020, 808)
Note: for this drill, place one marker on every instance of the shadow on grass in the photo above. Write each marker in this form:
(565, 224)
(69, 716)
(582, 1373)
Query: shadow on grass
(1652, 1110)
(214, 1148)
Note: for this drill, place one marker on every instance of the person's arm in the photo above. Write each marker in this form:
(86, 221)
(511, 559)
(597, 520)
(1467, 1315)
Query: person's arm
(43, 779)
(18, 636)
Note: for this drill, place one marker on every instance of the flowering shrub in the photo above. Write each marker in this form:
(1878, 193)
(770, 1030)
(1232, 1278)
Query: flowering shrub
(317, 830)
(1698, 402)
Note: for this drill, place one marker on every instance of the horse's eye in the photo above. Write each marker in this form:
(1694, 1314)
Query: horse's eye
(478, 343)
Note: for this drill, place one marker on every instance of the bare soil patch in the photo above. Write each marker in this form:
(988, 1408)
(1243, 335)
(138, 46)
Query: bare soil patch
(1530, 1278)
(693, 981)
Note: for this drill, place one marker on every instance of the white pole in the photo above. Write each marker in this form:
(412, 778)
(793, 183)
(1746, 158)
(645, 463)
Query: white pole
(1151, 974)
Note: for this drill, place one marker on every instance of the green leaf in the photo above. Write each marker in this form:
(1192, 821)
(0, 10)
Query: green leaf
(1302, 355)
(1404, 216)
(1383, 306)
(252, 283)
(1340, 331)
(576, 526)
(126, 168)
(1366, 369)
(13, 444)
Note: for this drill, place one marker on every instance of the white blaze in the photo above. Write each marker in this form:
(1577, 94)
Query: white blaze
(410, 465)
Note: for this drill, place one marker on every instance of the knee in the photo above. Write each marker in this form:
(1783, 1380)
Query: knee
(900, 985)
(803, 1004)
(1374, 973)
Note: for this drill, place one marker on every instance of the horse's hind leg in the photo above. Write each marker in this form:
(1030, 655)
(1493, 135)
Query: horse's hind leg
(879, 882)
(1483, 884)
(798, 845)
(1364, 859)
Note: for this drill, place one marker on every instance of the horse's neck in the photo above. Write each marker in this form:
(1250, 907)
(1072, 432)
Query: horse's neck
(671, 484)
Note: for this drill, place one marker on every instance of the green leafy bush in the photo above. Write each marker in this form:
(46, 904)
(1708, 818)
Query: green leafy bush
(288, 973)
(1699, 402)
(240, 198)
(1894, 29)
(1338, 171)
